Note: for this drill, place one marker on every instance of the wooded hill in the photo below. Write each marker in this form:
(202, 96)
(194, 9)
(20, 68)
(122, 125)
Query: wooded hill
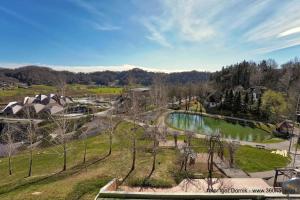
(47, 76)
(267, 73)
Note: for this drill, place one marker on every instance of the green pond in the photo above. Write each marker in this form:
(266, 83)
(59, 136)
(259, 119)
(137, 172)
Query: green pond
(230, 129)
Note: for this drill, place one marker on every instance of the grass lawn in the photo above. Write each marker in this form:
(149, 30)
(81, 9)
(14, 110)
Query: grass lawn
(251, 159)
(83, 184)
(79, 182)
(273, 140)
(71, 89)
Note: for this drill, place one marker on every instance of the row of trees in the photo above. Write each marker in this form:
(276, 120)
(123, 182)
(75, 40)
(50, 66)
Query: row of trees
(271, 105)
(47, 76)
(284, 79)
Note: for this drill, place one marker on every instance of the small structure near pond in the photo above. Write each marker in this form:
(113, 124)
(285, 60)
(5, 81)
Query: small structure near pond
(284, 129)
(213, 100)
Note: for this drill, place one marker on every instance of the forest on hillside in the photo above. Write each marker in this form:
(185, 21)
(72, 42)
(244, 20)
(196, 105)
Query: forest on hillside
(47, 76)
(233, 85)
(276, 90)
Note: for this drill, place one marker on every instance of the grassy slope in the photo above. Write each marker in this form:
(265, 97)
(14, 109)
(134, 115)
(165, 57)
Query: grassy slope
(248, 158)
(72, 185)
(84, 184)
(251, 159)
(72, 89)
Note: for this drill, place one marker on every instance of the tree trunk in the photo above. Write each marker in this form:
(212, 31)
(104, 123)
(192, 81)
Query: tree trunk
(30, 163)
(182, 165)
(133, 154)
(9, 165)
(84, 155)
(175, 141)
(154, 158)
(65, 157)
(110, 143)
(185, 162)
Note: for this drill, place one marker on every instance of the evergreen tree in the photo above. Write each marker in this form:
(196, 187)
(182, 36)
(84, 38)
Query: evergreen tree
(246, 102)
(225, 105)
(257, 110)
(246, 99)
(230, 100)
(237, 102)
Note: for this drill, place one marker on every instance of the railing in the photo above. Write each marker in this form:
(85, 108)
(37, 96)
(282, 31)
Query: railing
(111, 191)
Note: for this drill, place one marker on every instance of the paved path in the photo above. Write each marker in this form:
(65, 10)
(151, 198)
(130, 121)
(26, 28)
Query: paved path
(19, 120)
(267, 175)
(229, 171)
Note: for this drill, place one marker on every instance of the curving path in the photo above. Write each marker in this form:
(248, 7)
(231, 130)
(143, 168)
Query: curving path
(271, 146)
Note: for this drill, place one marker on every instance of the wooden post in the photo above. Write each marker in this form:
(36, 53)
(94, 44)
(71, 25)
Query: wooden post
(275, 178)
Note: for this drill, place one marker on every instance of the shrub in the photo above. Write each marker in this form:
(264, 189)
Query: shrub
(87, 186)
(155, 183)
(179, 176)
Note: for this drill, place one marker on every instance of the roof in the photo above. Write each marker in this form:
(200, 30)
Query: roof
(214, 97)
(40, 102)
(286, 123)
(141, 89)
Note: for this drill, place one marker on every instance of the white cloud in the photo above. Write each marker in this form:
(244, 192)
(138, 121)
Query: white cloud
(155, 35)
(225, 24)
(99, 23)
(289, 32)
(89, 68)
(277, 46)
(106, 27)
(88, 7)
(181, 18)
(270, 34)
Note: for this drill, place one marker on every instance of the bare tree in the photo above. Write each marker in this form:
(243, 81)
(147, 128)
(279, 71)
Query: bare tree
(113, 123)
(84, 134)
(153, 134)
(232, 147)
(215, 145)
(187, 150)
(62, 123)
(175, 136)
(31, 135)
(133, 109)
(157, 132)
(8, 138)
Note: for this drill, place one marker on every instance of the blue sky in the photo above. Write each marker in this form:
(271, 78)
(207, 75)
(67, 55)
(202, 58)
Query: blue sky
(167, 35)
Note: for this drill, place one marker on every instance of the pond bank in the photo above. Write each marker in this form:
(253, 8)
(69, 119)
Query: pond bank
(224, 117)
(207, 125)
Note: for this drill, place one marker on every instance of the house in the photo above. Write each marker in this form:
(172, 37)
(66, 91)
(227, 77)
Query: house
(256, 92)
(51, 103)
(213, 100)
(140, 90)
(239, 89)
(12, 108)
(284, 129)
(142, 95)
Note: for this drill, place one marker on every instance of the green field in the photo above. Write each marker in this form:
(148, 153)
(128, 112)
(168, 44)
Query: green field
(69, 184)
(71, 89)
(251, 159)
(78, 182)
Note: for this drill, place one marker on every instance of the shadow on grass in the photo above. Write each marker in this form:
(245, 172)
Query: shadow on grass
(86, 187)
(49, 178)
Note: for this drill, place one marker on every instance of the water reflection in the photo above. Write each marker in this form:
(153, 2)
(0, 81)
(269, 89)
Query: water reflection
(208, 125)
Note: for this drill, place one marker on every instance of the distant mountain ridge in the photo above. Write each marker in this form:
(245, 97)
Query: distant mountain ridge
(44, 75)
